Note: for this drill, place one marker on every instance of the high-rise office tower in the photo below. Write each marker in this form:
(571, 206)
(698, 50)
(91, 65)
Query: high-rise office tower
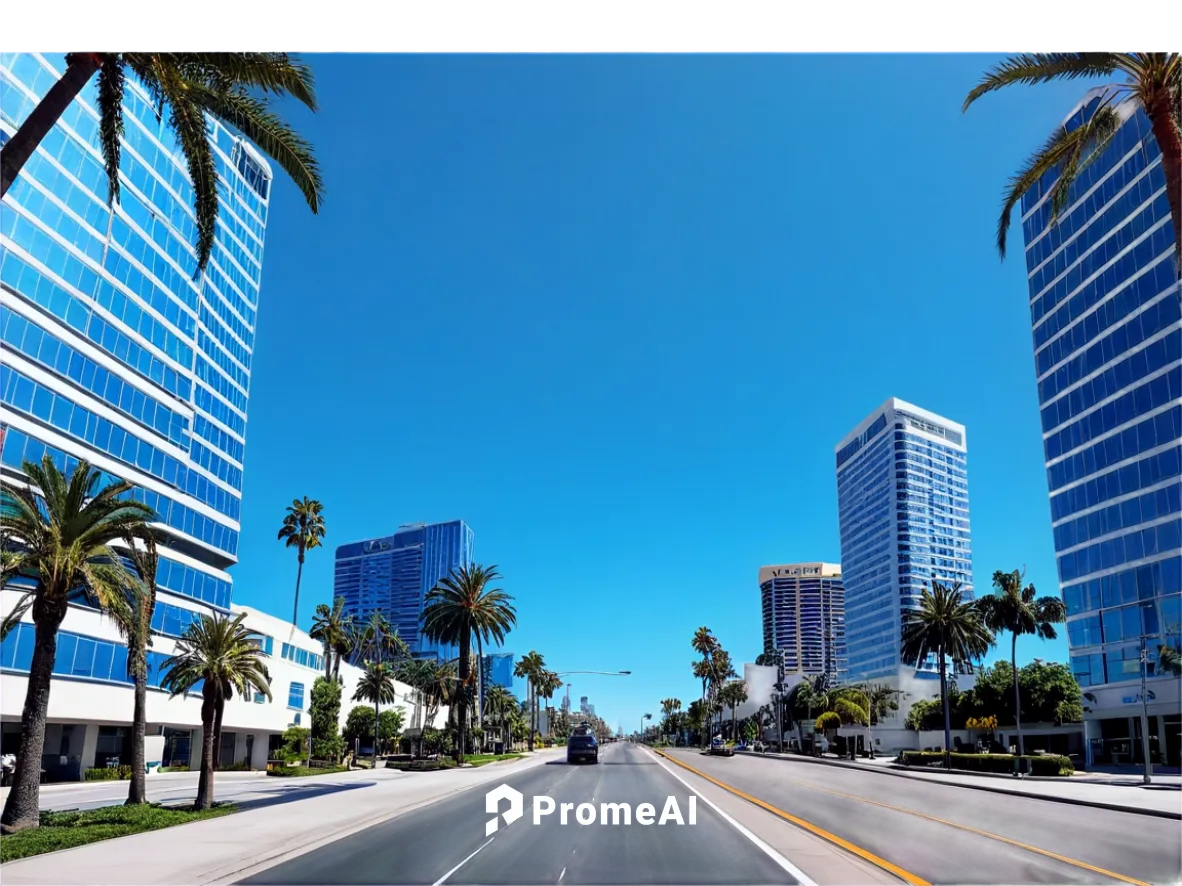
(498, 670)
(114, 349)
(903, 509)
(1105, 311)
(804, 617)
(394, 574)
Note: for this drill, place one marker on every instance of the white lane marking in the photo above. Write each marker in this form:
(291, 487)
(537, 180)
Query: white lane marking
(443, 879)
(563, 874)
(802, 878)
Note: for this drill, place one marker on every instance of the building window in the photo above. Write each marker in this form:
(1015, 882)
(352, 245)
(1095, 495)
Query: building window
(295, 696)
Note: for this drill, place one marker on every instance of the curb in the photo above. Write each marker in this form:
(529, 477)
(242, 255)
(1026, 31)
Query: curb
(884, 770)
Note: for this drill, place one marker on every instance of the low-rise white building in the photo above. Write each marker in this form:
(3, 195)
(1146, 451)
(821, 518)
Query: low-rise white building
(90, 702)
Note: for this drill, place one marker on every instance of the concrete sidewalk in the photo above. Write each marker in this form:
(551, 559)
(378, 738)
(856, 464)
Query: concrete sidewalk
(221, 849)
(1123, 793)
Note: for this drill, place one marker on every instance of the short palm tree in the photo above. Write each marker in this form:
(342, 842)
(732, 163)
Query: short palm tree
(10, 567)
(548, 683)
(221, 655)
(334, 628)
(721, 670)
(530, 668)
(461, 607)
(233, 86)
(948, 626)
(670, 707)
(135, 624)
(63, 528)
(498, 702)
(732, 695)
(378, 644)
(1018, 610)
(302, 529)
(1150, 80)
(881, 700)
(377, 686)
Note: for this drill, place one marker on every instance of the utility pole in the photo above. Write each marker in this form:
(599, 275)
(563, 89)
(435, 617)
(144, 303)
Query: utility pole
(1147, 777)
(779, 696)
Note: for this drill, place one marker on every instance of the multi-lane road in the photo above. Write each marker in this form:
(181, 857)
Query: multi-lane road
(447, 841)
(899, 829)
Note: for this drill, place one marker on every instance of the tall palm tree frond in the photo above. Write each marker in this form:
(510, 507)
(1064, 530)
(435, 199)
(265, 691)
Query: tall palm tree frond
(1043, 67)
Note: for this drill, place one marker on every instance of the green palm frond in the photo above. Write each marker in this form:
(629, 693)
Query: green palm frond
(110, 106)
(376, 684)
(221, 652)
(303, 525)
(273, 73)
(1068, 150)
(944, 622)
(463, 605)
(1042, 67)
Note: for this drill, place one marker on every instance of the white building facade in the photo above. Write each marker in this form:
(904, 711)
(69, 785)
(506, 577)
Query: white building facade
(90, 702)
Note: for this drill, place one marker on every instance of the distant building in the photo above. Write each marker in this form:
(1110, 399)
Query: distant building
(394, 574)
(804, 617)
(903, 510)
(1105, 314)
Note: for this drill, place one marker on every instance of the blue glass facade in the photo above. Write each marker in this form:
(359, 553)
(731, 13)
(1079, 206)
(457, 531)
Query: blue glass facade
(498, 669)
(114, 349)
(804, 617)
(903, 512)
(1105, 311)
(392, 575)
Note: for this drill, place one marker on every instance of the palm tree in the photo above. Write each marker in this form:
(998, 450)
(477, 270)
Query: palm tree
(881, 700)
(376, 685)
(499, 700)
(1151, 81)
(705, 644)
(135, 624)
(221, 654)
(721, 670)
(302, 529)
(64, 532)
(548, 683)
(1016, 609)
(530, 668)
(732, 695)
(11, 563)
(669, 707)
(233, 86)
(463, 606)
(378, 644)
(334, 628)
(949, 626)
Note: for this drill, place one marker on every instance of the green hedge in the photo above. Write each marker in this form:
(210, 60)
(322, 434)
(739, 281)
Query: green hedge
(303, 771)
(1046, 764)
(123, 773)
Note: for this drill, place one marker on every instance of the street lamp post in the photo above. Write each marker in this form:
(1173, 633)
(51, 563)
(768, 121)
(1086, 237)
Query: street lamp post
(1147, 777)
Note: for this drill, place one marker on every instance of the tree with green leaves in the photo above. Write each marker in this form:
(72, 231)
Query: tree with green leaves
(10, 567)
(63, 528)
(221, 655)
(1169, 659)
(669, 708)
(382, 653)
(134, 621)
(1019, 611)
(336, 631)
(1151, 81)
(881, 700)
(732, 695)
(236, 87)
(498, 703)
(303, 529)
(947, 626)
(325, 714)
(462, 607)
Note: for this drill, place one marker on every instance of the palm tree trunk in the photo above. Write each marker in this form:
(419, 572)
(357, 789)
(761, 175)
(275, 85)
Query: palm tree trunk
(137, 790)
(480, 685)
(219, 711)
(80, 67)
(22, 809)
(465, 675)
(947, 712)
(1169, 141)
(205, 781)
(529, 695)
(1017, 694)
(295, 613)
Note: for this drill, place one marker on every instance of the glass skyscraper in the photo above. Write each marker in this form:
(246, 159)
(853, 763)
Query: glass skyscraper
(498, 669)
(1105, 311)
(804, 617)
(393, 575)
(115, 350)
(903, 511)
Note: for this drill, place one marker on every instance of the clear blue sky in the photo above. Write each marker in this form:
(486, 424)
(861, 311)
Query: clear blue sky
(615, 313)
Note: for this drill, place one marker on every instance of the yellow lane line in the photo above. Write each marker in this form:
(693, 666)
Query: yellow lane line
(952, 824)
(905, 876)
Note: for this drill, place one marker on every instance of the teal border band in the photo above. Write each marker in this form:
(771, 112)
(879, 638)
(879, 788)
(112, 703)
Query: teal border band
(540, 27)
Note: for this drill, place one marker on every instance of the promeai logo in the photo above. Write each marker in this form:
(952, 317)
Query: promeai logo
(613, 814)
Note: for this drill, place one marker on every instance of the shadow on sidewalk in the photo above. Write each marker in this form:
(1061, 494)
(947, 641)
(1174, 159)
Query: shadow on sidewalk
(280, 794)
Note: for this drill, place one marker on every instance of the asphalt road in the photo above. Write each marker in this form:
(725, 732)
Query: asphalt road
(446, 842)
(946, 834)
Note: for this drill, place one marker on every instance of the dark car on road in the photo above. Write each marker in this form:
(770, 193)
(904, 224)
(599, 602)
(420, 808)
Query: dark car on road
(582, 747)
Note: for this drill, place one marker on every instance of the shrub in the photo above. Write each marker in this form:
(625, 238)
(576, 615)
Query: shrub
(1044, 764)
(121, 773)
(301, 771)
